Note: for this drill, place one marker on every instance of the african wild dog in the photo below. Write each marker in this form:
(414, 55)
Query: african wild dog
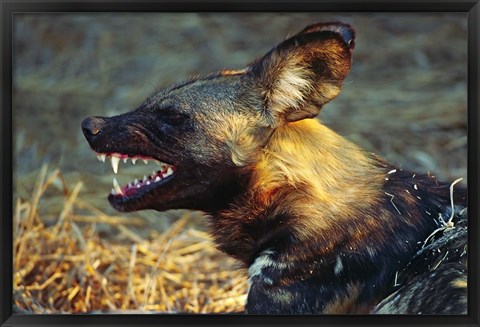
(323, 226)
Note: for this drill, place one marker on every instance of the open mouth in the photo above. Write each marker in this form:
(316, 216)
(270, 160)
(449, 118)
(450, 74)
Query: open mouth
(140, 185)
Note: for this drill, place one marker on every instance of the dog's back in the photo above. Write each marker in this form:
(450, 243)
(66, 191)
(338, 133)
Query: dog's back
(435, 280)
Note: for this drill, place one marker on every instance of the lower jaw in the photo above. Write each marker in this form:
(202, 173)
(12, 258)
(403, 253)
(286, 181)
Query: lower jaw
(140, 186)
(126, 204)
(136, 197)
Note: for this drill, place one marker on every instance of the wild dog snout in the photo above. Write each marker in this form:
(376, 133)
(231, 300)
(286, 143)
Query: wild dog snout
(92, 126)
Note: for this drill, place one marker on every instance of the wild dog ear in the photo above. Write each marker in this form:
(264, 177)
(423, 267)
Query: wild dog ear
(305, 71)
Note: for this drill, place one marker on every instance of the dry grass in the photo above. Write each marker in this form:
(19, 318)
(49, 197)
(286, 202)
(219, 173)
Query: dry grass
(66, 264)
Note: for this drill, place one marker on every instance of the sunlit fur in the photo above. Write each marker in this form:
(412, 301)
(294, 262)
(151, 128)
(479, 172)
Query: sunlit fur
(326, 171)
(239, 135)
(292, 89)
(327, 200)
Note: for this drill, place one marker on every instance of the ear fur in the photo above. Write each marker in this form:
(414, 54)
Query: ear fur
(305, 71)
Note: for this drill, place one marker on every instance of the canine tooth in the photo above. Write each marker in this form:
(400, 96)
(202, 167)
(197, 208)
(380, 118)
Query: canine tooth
(113, 191)
(145, 161)
(102, 157)
(116, 187)
(125, 160)
(134, 160)
(115, 161)
(157, 179)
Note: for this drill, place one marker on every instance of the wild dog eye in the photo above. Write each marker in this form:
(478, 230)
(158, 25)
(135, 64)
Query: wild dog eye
(174, 118)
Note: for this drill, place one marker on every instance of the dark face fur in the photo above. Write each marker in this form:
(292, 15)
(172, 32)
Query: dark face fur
(178, 129)
(204, 132)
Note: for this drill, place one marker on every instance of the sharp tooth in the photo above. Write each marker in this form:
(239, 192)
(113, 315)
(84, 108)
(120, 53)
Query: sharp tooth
(115, 161)
(145, 161)
(125, 160)
(136, 181)
(134, 160)
(130, 185)
(157, 179)
(138, 185)
(116, 187)
(169, 171)
(102, 157)
(144, 178)
(154, 173)
(148, 182)
(99, 157)
(113, 191)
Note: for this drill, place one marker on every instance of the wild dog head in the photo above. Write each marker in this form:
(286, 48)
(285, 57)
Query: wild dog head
(206, 132)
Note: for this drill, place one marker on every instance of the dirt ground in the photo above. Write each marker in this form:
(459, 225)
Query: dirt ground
(405, 99)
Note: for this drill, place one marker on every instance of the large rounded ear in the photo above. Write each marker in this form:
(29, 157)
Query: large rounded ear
(304, 72)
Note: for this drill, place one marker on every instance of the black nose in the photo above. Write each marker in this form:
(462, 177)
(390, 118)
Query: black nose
(92, 126)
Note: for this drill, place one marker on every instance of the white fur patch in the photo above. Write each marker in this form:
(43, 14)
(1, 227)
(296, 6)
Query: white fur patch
(262, 261)
(371, 252)
(290, 89)
(338, 266)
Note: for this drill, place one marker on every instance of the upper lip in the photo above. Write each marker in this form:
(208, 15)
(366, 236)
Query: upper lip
(115, 158)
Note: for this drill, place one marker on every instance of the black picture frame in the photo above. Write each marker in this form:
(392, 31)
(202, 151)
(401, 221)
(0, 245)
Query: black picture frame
(8, 10)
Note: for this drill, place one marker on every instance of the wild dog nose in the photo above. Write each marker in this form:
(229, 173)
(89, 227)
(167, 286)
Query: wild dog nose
(92, 126)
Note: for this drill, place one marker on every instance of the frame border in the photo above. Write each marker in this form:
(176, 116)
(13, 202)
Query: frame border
(9, 8)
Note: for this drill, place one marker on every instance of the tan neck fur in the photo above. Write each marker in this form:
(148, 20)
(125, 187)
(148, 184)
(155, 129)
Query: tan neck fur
(307, 159)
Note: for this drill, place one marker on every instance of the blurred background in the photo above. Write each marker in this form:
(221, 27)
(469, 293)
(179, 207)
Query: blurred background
(405, 98)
